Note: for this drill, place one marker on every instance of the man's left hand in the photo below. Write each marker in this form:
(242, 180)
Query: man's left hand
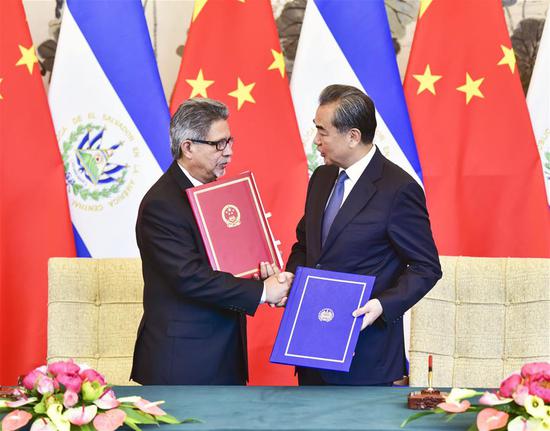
(372, 310)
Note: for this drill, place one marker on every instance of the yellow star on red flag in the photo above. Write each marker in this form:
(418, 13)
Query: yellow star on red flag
(28, 58)
(278, 62)
(1, 93)
(199, 85)
(427, 81)
(508, 59)
(243, 93)
(199, 4)
(424, 5)
(471, 88)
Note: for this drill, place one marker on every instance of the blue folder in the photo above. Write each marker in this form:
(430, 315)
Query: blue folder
(317, 329)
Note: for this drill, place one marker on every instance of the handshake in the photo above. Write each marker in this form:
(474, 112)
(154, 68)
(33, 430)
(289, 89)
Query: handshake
(276, 284)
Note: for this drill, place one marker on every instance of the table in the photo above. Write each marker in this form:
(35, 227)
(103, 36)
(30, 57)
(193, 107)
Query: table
(290, 408)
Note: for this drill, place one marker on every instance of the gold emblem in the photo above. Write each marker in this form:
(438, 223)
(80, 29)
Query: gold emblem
(231, 215)
(326, 315)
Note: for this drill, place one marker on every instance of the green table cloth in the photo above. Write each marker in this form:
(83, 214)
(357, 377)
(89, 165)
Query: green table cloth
(290, 408)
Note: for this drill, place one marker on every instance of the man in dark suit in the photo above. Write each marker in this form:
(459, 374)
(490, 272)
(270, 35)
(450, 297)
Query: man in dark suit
(365, 215)
(193, 329)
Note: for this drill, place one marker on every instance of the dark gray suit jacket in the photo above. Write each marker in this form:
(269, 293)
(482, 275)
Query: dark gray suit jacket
(193, 329)
(382, 229)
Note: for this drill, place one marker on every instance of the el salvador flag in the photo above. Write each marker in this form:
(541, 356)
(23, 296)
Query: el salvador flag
(111, 120)
(349, 42)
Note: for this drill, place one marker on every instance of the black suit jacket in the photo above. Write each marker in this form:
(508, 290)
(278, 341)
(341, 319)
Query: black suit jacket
(382, 229)
(193, 329)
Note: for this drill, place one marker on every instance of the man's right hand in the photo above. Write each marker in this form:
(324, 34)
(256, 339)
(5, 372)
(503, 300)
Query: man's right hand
(277, 287)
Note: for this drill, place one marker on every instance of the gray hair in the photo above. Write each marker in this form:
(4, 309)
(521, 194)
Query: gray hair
(355, 110)
(192, 120)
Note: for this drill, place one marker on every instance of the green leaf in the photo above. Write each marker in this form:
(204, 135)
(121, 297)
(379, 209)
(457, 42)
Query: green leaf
(168, 419)
(132, 424)
(416, 416)
(472, 427)
(191, 421)
(86, 427)
(40, 408)
(138, 416)
(450, 417)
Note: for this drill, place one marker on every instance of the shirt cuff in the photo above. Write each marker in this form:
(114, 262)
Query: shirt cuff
(264, 296)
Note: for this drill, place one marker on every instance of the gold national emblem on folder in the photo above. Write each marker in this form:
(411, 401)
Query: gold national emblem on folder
(231, 215)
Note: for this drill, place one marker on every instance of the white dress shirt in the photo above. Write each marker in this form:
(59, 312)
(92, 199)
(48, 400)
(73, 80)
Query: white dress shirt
(354, 172)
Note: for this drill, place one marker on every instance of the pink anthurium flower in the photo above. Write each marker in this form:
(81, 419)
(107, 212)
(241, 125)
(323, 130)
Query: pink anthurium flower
(110, 420)
(30, 380)
(63, 367)
(491, 419)
(45, 385)
(70, 398)
(149, 407)
(71, 381)
(492, 399)
(92, 376)
(454, 407)
(520, 394)
(15, 420)
(508, 386)
(107, 400)
(80, 415)
(20, 402)
(43, 424)
(534, 368)
(539, 385)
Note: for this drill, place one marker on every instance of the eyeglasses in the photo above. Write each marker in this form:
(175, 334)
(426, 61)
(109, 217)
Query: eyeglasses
(220, 145)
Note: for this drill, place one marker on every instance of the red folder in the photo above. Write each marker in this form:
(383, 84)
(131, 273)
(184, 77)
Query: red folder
(233, 225)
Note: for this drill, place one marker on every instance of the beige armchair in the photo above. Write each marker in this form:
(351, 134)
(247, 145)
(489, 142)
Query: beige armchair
(94, 308)
(482, 320)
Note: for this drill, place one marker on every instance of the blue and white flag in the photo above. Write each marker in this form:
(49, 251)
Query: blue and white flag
(350, 43)
(111, 120)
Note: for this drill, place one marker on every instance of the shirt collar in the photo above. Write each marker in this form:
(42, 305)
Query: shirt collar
(357, 169)
(193, 180)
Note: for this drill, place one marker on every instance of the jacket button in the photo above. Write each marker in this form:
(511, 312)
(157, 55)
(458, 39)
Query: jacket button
(318, 266)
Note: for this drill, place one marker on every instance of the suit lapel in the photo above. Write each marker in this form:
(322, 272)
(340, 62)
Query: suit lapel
(358, 198)
(181, 179)
(317, 208)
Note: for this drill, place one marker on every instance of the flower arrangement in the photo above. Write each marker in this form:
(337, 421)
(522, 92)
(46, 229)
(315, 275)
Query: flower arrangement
(65, 396)
(521, 404)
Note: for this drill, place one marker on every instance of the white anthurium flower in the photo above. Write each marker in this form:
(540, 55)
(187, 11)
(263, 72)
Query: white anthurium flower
(80, 415)
(132, 399)
(492, 399)
(458, 394)
(43, 424)
(60, 422)
(535, 406)
(520, 423)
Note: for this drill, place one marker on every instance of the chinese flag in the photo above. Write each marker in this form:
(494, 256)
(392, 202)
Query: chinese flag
(479, 159)
(34, 215)
(233, 54)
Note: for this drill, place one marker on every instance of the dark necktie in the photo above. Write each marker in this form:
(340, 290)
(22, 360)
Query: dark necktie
(333, 206)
